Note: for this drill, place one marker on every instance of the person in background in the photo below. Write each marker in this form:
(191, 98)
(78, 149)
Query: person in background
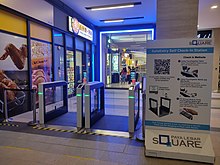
(137, 75)
(123, 74)
(129, 75)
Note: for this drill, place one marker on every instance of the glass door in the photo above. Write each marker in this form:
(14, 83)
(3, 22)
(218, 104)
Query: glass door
(79, 55)
(88, 68)
(70, 71)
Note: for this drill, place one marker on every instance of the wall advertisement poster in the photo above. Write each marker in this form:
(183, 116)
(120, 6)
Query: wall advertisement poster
(178, 88)
(41, 59)
(13, 74)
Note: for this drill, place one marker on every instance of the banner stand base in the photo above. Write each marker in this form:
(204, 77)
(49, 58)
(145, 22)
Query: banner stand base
(189, 146)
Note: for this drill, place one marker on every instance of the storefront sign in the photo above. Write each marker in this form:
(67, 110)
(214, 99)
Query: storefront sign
(78, 28)
(179, 90)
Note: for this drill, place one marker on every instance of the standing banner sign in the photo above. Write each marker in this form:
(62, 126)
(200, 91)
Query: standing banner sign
(179, 99)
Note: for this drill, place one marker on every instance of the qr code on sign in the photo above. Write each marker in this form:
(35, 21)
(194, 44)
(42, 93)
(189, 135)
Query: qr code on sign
(162, 66)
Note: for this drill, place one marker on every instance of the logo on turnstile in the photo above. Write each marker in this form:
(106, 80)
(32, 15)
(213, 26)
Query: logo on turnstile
(177, 141)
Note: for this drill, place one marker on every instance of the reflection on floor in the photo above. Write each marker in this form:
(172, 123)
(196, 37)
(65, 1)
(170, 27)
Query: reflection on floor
(118, 85)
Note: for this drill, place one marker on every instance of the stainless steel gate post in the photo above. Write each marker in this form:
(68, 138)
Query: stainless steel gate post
(34, 122)
(79, 100)
(134, 98)
(141, 136)
(5, 106)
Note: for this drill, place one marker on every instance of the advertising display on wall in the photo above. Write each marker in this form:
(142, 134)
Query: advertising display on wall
(179, 97)
(13, 73)
(41, 59)
(70, 71)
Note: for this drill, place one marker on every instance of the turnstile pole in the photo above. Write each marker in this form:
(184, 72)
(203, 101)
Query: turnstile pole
(5, 106)
(143, 113)
(34, 122)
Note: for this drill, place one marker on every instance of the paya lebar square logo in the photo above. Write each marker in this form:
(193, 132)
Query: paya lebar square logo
(178, 141)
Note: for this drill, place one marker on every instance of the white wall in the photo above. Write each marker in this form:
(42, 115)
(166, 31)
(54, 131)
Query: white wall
(38, 9)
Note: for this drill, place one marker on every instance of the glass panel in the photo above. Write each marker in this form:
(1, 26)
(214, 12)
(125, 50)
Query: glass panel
(78, 67)
(136, 103)
(70, 71)
(87, 47)
(69, 41)
(58, 37)
(13, 73)
(59, 63)
(95, 99)
(53, 99)
(79, 44)
(88, 63)
(12, 23)
(40, 32)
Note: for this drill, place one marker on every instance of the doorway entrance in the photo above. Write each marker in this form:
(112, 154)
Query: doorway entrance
(121, 50)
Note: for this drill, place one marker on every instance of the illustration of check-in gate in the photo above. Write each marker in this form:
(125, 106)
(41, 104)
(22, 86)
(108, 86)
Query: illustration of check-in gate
(92, 96)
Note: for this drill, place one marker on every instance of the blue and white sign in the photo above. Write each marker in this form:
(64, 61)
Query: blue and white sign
(181, 71)
(179, 80)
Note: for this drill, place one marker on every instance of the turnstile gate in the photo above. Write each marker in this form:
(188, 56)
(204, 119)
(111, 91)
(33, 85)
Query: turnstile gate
(80, 108)
(94, 103)
(134, 107)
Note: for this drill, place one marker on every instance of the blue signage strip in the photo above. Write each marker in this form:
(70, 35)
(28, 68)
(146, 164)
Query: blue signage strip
(177, 125)
(180, 50)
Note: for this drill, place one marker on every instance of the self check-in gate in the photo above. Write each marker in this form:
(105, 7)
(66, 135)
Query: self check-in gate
(80, 108)
(90, 106)
(134, 106)
(94, 103)
(94, 96)
(53, 100)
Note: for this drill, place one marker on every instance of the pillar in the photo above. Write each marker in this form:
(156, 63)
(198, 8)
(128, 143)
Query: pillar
(176, 19)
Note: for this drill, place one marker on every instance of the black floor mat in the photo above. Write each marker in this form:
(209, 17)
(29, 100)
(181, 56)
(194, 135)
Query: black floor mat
(113, 123)
(67, 119)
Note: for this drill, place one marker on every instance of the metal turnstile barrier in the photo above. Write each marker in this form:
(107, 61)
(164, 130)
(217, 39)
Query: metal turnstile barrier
(94, 103)
(53, 100)
(19, 100)
(134, 107)
(141, 135)
(80, 108)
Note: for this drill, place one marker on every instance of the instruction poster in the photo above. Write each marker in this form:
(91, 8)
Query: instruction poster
(179, 79)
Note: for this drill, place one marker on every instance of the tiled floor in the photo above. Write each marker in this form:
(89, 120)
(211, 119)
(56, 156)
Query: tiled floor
(20, 148)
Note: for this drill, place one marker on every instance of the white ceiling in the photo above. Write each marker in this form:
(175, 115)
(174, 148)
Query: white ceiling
(147, 10)
(207, 18)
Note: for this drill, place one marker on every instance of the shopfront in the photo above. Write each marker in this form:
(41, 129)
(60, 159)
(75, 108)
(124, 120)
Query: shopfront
(32, 52)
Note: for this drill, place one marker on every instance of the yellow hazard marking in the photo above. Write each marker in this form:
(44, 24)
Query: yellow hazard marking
(9, 125)
(18, 148)
(74, 131)
(79, 157)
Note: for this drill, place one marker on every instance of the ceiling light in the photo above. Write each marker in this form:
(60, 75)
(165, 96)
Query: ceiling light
(114, 6)
(113, 20)
(119, 19)
(214, 7)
